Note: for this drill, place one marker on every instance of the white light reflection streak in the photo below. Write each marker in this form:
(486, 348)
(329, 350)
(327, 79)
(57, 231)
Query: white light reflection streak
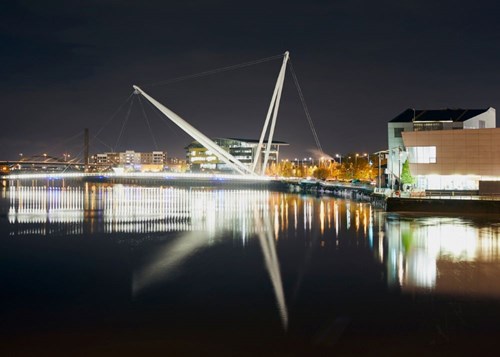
(370, 228)
(310, 213)
(322, 217)
(348, 215)
(276, 222)
(336, 218)
(295, 215)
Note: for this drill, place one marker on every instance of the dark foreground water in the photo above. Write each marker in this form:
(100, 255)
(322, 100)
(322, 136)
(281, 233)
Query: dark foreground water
(119, 270)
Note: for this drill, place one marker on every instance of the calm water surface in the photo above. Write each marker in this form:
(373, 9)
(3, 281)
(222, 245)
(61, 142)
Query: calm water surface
(126, 270)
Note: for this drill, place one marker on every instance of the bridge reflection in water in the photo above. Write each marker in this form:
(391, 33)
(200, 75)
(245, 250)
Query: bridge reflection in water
(202, 214)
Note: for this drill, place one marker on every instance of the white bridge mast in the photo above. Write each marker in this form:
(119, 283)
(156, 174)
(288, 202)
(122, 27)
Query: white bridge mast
(273, 108)
(222, 154)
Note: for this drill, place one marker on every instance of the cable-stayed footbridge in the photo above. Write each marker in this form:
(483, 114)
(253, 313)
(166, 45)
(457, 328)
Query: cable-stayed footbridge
(261, 155)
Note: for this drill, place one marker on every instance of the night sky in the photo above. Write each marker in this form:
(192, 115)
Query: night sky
(68, 65)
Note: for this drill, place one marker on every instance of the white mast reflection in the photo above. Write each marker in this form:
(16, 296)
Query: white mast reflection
(267, 244)
(167, 260)
(212, 212)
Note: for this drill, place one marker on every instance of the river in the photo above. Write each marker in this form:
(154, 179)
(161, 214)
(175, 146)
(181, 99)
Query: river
(91, 269)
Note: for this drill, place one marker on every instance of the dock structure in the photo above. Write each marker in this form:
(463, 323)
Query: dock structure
(455, 205)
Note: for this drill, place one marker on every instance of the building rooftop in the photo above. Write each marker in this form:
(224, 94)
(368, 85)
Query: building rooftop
(196, 144)
(454, 115)
(255, 141)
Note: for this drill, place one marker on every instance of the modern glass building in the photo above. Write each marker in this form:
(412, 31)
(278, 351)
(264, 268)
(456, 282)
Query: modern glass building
(201, 159)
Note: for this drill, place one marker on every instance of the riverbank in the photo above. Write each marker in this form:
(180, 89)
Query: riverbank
(480, 205)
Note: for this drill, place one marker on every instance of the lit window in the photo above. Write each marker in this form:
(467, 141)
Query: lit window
(427, 126)
(422, 154)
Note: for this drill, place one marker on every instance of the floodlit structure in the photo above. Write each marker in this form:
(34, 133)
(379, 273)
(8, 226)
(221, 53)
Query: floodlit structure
(450, 149)
(220, 153)
(129, 159)
(244, 150)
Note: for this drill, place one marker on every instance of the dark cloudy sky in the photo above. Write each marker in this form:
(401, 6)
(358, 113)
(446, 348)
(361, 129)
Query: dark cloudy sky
(67, 65)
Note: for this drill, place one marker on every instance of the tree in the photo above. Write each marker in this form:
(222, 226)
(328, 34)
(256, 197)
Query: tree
(406, 177)
(321, 173)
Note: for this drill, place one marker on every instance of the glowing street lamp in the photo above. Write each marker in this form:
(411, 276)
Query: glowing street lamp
(340, 158)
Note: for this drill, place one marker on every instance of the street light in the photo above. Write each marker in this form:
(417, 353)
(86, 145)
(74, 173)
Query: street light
(340, 158)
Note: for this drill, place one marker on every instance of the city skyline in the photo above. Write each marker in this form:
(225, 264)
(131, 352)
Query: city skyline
(69, 66)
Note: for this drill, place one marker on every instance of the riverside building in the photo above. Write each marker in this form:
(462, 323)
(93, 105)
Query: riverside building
(447, 149)
(130, 160)
(200, 158)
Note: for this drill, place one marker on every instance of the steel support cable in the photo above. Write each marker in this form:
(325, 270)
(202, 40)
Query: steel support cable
(124, 123)
(102, 142)
(147, 121)
(213, 71)
(113, 115)
(304, 105)
(170, 126)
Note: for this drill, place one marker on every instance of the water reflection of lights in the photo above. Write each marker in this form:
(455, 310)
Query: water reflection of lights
(348, 214)
(131, 209)
(42, 205)
(421, 252)
(322, 216)
(201, 216)
(336, 218)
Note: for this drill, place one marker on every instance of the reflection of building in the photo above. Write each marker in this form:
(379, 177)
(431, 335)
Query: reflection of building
(445, 255)
(450, 149)
(200, 158)
(140, 161)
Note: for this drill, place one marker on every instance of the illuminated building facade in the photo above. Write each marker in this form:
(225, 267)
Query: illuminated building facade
(450, 149)
(131, 160)
(199, 158)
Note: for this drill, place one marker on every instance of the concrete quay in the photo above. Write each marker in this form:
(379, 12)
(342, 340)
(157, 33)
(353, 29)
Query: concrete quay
(461, 205)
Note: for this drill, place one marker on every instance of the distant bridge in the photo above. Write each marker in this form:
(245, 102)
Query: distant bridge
(45, 163)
